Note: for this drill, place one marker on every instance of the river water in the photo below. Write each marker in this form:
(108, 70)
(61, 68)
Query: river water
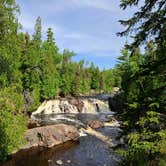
(88, 151)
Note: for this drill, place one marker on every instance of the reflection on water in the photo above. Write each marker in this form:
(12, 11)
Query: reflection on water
(89, 151)
(39, 156)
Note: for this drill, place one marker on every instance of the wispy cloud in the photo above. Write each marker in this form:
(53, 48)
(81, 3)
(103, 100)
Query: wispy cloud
(88, 27)
(99, 4)
(64, 5)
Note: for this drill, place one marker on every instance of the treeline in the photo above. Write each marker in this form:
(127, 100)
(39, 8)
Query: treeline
(33, 70)
(144, 85)
(46, 73)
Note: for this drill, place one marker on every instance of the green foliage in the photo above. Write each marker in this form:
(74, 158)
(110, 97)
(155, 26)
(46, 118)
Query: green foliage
(49, 74)
(147, 22)
(33, 70)
(144, 86)
(37, 35)
(95, 77)
(109, 80)
(12, 124)
(143, 108)
(10, 139)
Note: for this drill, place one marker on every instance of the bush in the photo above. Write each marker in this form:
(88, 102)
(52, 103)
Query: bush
(12, 124)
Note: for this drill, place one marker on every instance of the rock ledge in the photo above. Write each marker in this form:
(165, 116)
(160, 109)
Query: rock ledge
(49, 136)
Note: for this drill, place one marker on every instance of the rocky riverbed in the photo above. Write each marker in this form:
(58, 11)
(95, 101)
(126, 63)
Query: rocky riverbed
(54, 143)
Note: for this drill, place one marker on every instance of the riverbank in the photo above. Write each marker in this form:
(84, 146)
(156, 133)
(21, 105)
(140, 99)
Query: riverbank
(91, 141)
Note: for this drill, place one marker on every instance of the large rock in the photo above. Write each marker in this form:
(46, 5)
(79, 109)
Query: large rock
(49, 136)
(116, 102)
(95, 124)
(78, 103)
(32, 124)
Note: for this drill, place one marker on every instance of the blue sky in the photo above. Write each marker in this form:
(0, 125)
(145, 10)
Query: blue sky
(87, 27)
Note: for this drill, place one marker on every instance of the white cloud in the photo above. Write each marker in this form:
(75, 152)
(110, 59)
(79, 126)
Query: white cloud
(86, 43)
(67, 5)
(99, 4)
(79, 25)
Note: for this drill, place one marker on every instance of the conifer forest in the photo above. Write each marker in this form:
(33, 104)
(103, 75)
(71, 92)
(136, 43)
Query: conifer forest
(33, 69)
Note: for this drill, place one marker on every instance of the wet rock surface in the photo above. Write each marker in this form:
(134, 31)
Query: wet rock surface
(78, 103)
(69, 111)
(92, 149)
(95, 124)
(39, 156)
(49, 136)
(89, 151)
(32, 124)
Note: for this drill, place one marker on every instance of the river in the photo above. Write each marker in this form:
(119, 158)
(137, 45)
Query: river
(88, 151)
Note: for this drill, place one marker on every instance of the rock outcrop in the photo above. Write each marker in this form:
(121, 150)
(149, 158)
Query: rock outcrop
(49, 136)
(116, 102)
(95, 124)
(71, 105)
(67, 110)
(78, 103)
(32, 124)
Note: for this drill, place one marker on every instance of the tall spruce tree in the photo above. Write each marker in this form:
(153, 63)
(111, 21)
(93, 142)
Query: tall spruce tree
(49, 59)
(50, 36)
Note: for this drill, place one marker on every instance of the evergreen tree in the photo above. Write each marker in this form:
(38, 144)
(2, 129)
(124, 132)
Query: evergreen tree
(50, 76)
(86, 82)
(108, 80)
(11, 101)
(151, 17)
(31, 70)
(37, 35)
(67, 73)
(95, 77)
(144, 86)
(50, 36)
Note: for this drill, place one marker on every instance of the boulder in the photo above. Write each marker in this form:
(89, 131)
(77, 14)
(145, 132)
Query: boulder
(116, 102)
(32, 124)
(95, 124)
(49, 136)
(111, 119)
(78, 103)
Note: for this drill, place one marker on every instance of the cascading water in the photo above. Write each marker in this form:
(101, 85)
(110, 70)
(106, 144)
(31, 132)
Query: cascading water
(93, 148)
